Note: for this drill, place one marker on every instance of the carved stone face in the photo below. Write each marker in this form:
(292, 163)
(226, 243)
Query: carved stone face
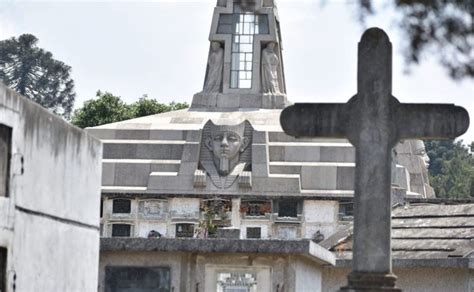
(226, 143)
(420, 150)
(271, 47)
(215, 46)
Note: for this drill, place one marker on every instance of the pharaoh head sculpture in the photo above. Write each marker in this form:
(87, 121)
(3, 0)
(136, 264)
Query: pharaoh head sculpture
(226, 143)
(420, 151)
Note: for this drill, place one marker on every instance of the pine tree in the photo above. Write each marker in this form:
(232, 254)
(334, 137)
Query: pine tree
(34, 73)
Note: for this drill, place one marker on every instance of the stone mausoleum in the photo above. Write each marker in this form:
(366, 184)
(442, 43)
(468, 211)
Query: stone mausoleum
(218, 198)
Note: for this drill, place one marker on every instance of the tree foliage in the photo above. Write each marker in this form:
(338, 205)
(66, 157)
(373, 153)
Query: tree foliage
(451, 169)
(34, 73)
(444, 27)
(108, 108)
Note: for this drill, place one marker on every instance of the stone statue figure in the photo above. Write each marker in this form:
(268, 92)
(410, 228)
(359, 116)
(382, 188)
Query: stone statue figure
(214, 72)
(225, 155)
(246, 5)
(270, 64)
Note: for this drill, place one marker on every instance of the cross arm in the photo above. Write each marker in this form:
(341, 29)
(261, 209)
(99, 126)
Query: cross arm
(315, 120)
(431, 121)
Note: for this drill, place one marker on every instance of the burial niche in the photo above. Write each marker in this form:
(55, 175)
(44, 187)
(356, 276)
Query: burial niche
(138, 279)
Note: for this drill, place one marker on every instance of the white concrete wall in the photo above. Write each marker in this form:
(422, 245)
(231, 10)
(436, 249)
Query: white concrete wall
(308, 276)
(52, 213)
(410, 279)
(320, 216)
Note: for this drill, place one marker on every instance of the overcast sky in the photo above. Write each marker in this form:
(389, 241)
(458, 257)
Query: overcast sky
(159, 48)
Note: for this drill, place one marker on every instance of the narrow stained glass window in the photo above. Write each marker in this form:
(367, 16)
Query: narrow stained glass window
(245, 25)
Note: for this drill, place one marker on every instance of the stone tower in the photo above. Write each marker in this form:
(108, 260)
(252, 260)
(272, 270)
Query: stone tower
(245, 63)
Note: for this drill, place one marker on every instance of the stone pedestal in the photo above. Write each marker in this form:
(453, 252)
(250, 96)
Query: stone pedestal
(220, 101)
(370, 282)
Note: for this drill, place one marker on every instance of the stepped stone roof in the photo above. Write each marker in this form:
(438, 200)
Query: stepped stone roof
(433, 233)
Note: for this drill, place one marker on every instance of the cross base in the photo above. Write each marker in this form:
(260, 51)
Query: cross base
(370, 282)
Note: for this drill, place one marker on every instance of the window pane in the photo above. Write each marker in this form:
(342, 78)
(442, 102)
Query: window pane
(242, 66)
(248, 66)
(121, 230)
(5, 156)
(246, 28)
(234, 79)
(121, 206)
(246, 39)
(246, 48)
(245, 84)
(249, 18)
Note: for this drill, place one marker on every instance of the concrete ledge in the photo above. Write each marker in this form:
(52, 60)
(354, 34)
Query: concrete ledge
(301, 247)
(421, 263)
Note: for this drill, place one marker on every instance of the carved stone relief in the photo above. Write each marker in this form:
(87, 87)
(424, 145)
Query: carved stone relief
(225, 155)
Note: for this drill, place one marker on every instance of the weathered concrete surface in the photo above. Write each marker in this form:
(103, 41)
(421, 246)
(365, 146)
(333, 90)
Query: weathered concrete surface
(196, 271)
(50, 221)
(303, 247)
(374, 121)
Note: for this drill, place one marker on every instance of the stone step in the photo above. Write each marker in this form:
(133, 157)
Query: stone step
(312, 152)
(143, 149)
(134, 172)
(137, 134)
(282, 137)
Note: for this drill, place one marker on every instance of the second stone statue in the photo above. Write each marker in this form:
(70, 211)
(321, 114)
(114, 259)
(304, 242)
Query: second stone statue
(214, 71)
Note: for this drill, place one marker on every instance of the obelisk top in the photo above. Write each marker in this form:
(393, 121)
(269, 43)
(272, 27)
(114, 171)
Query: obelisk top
(245, 63)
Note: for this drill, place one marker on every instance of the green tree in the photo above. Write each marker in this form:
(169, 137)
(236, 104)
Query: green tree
(451, 169)
(34, 73)
(441, 27)
(146, 106)
(108, 108)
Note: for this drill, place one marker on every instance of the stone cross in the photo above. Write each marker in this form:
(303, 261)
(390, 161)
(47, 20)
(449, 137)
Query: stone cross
(374, 121)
